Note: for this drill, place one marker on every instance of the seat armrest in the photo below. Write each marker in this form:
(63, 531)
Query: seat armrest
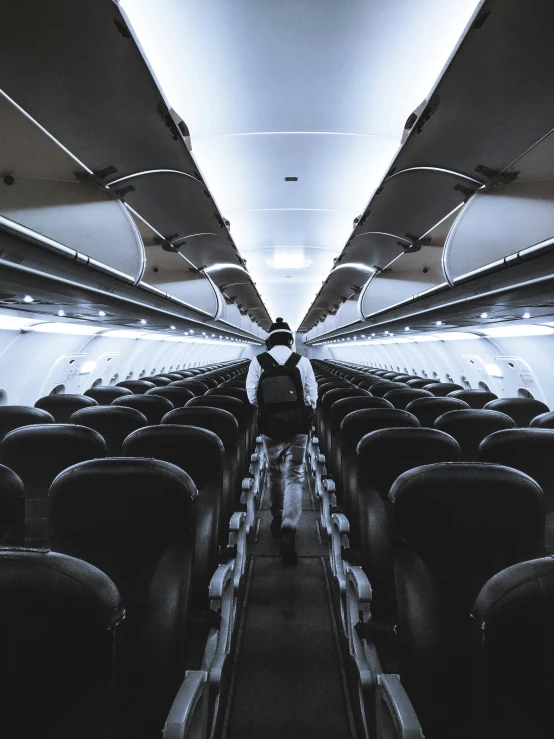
(237, 539)
(393, 699)
(188, 716)
(219, 582)
(340, 528)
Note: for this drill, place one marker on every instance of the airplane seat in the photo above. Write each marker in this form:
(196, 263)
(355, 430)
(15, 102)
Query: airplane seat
(470, 427)
(382, 387)
(474, 398)
(418, 384)
(368, 381)
(405, 378)
(400, 397)
(354, 427)
(158, 380)
(252, 412)
(134, 520)
(173, 376)
(15, 416)
(179, 396)
(529, 450)
(398, 450)
(114, 423)
(195, 386)
(105, 394)
(522, 410)
(389, 375)
(154, 407)
(12, 509)
(542, 421)
(185, 373)
(513, 650)
(137, 387)
(427, 410)
(62, 406)
(324, 425)
(58, 625)
(442, 389)
(233, 391)
(458, 524)
(37, 454)
(209, 381)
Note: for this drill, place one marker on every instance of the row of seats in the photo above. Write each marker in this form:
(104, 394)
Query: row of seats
(146, 552)
(423, 507)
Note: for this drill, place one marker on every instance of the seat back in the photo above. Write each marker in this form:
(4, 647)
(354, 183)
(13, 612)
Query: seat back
(470, 427)
(400, 397)
(178, 396)
(323, 422)
(15, 416)
(195, 386)
(474, 398)
(137, 387)
(159, 380)
(542, 421)
(12, 509)
(427, 410)
(442, 389)
(418, 384)
(105, 394)
(381, 387)
(57, 636)
(154, 407)
(37, 454)
(514, 635)
(62, 406)
(113, 422)
(238, 409)
(521, 410)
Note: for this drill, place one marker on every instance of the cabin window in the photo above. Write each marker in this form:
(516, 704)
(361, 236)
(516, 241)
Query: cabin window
(57, 390)
(97, 382)
(483, 386)
(522, 392)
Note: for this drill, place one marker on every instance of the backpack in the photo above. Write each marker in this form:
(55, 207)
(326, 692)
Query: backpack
(282, 412)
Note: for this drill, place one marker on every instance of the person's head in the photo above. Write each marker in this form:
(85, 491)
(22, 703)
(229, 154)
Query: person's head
(279, 335)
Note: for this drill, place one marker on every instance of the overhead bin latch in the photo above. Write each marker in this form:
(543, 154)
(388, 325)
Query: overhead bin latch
(165, 242)
(415, 244)
(495, 178)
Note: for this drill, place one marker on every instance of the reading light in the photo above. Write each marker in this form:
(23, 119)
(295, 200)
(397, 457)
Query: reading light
(484, 315)
(61, 313)
(142, 320)
(526, 314)
(438, 323)
(101, 313)
(407, 328)
(172, 328)
(27, 299)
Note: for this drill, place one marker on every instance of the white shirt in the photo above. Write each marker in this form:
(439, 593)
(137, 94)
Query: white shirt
(280, 354)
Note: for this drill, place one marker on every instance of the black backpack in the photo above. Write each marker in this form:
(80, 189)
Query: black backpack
(282, 412)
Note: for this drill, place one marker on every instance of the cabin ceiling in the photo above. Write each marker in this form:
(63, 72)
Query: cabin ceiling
(317, 90)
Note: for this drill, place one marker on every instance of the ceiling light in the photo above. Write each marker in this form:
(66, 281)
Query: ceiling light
(28, 299)
(288, 260)
(172, 328)
(456, 336)
(526, 315)
(484, 315)
(77, 329)
(438, 323)
(407, 328)
(143, 321)
(125, 333)
(13, 323)
(61, 313)
(101, 313)
(509, 332)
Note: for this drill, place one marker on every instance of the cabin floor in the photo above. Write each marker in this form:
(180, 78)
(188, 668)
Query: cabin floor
(288, 678)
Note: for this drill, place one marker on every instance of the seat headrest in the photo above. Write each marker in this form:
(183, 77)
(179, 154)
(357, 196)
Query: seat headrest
(401, 397)
(154, 407)
(530, 450)
(474, 398)
(12, 508)
(359, 423)
(61, 406)
(195, 450)
(115, 510)
(137, 387)
(195, 386)
(219, 421)
(231, 392)
(104, 394)
(471, 517)
(158, 380)
(543, 421)
(382, 387)
(442, 389)
(469, 427)
(401, 449)
(338, 393)
(15, 416)
(179, 396)
(341, 408)
(521, 410)
(427, 410)
(418, 384)
(38, 453)
(233, 405)
(113, 422)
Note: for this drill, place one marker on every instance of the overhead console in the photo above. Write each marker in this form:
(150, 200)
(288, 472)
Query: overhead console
(97, 178)
(466, 209)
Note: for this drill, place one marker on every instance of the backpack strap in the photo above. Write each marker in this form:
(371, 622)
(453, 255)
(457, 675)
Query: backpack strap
(266, 361)
(292, 361)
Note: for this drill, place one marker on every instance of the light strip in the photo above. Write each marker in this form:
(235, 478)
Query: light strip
(512, 332)
(76, 329)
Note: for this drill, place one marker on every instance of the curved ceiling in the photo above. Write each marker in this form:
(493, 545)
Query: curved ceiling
(316, 90)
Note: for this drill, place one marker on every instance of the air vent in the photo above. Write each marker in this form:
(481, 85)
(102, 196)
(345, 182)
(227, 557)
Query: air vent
(291, 179)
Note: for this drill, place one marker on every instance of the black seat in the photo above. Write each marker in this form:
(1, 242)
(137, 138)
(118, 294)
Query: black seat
(382, 387)
(530, 450)
(458, 524)
(105, 394)
(158, 380)
(474, 398)
(324, 416)
(137, 387)
(418, 384)
(38, 454)
(58, 625)
(382, 457)
(368, 381)
(154, 407)
(513, 650)
(522, 410)
(113, 422)
(442, 389)
(62, 406)
(470, 427)
(427, 410)
(199, 453)
(400, 397)
(134, 520)
(239, 411)
(209, 381)
(15, 416)
(229, 390)
(178, 396)
(195, 386)
(173, 376)
(542, 421)
(12, 509)
(354, 427)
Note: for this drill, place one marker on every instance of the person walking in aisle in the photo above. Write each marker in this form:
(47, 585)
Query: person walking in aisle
(282, 385)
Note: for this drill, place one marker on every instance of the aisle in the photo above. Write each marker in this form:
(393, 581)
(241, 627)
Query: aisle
(288, 674)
